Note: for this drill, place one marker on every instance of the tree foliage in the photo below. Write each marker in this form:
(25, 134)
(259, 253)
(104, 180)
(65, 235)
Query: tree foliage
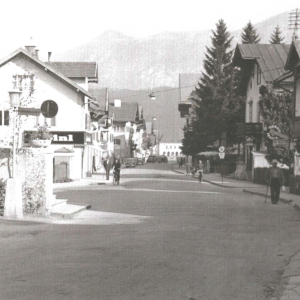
(276, 37)
(217, 109)
(249, 34)
(277, 109)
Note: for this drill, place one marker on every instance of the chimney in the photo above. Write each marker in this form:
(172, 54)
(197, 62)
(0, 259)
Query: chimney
(117, 103)
(30, 48)
(49, 56)
(37, 53)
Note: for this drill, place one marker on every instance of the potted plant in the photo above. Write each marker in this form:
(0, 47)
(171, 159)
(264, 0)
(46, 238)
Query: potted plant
(42, 137)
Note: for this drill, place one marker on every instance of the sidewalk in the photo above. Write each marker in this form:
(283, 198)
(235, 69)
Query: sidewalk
(247, 186)
(290, 281)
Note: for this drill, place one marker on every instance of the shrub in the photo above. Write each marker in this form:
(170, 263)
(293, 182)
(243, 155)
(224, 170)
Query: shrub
(42, 133)
(2, 195)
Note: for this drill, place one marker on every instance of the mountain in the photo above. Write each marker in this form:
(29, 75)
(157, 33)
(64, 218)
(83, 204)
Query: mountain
(143, 64)
(130, 63)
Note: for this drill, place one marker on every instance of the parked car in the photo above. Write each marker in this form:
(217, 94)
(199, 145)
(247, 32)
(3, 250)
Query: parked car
(152, 159)
(162, 159)
(130, 162)
(140, 161)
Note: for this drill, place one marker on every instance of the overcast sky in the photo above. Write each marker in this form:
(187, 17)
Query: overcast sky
(58, 25)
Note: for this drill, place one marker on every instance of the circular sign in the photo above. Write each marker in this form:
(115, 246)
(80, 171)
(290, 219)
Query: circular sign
(222, 149)
(49, 109)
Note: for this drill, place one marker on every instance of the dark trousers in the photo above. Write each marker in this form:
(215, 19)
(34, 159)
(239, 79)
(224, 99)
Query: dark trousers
(107, 171)
(275, 190)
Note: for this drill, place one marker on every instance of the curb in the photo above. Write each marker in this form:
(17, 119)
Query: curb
(213, 183)
(284, 200)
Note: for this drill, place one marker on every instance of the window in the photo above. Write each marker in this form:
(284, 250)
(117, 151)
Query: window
(117, 141)
(164, 153)
(250, 111)
(168, 154)
(176, 153)
(172, 154)
(23, 82)
(4, 117)
(258, 75)
(167, 147)
(170, 147)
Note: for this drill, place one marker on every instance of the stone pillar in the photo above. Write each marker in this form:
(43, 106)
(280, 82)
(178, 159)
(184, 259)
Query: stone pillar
(13, 207)
(48, 179)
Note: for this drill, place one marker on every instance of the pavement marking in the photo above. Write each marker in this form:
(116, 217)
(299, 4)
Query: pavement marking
(160, 179)
(164, 191)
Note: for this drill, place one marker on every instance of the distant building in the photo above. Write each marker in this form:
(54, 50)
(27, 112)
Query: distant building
(170, 149)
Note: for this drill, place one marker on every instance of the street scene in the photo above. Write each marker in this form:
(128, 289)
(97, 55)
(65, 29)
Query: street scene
(150, 159)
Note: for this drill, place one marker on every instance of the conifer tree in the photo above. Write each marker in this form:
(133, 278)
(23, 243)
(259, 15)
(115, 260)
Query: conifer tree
(276, 37)
(216, 105)
(249, 34)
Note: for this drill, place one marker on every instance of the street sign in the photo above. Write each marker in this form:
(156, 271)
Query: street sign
(29, 111)
(222, 149)
(280, 143)
(222, 155)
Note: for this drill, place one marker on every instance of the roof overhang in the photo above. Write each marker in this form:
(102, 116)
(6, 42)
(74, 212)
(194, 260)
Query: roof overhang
(293, 56)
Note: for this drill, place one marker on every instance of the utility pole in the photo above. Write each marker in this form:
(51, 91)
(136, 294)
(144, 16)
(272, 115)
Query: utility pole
(294, 22)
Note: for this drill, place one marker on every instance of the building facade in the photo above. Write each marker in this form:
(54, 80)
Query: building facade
(170, 149)
(260, 65)
(73, 145)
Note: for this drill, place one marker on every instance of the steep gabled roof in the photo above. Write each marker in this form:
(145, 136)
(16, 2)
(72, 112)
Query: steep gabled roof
(126, 113)
(77, 69)
(271, 58)
(47, 67)
(293, 56)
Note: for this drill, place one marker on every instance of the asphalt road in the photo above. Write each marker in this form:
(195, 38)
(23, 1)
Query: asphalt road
(199, 241)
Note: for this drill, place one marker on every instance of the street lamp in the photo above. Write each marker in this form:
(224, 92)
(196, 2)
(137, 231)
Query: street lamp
(13, 207)
(14, 97)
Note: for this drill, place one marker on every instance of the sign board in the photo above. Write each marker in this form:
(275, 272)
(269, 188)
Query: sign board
(280, 143)
(222, 149)
(26, 111)
(222, 155)
(66, 137)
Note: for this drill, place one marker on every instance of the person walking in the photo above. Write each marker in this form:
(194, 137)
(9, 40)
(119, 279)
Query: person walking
(275, 179)
(200, 170)
(108, 167)
(117, 169)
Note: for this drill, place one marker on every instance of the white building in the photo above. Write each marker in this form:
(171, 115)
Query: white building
(170, 149)
(73, 144)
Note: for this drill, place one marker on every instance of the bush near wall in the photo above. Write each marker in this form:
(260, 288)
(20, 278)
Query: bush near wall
(2, 195)
(260, 176)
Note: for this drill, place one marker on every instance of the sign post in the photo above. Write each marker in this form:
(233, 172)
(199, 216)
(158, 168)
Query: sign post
(222, 156)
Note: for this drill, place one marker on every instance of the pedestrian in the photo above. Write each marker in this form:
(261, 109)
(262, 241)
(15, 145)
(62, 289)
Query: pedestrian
(200, 170)
(108, 167)
(117, 169)
(275, 178)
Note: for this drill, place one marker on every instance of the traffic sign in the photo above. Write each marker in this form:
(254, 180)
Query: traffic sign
(222, 149)
(222, 155)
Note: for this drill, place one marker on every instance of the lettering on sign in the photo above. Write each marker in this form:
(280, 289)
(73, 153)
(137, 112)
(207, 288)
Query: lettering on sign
(63, 138)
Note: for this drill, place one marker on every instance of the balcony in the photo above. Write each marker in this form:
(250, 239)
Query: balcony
(184, 108)
(253, 130)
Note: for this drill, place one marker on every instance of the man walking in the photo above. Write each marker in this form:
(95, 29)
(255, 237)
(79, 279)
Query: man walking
(275, 179)
(200, 170)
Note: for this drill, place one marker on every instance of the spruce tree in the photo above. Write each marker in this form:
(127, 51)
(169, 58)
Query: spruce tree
(276, 37)
(249, 34)
(216, 106)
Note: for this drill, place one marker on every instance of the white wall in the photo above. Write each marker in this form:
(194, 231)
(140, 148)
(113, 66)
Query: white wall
(71, 113)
